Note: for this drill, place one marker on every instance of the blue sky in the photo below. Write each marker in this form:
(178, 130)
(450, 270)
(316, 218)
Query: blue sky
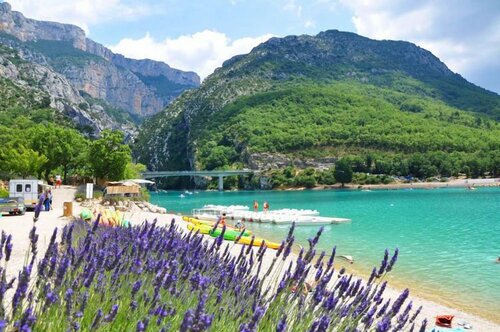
(199, 35)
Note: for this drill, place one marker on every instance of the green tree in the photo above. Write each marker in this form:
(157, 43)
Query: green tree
(25, 162)
(343, 172)
(133, 170)
(63, 147)
(108, 156)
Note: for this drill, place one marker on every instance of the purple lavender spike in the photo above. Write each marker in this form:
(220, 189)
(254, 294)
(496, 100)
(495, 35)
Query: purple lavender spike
(384, 325)
(383, 264)
(399, 302)
(281, 327)
(97, 320)
(8, 248)
(393, 260)
(423, 326)
(412, 319)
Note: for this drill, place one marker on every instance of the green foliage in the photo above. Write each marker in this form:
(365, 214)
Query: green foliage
(343, 171)
(364, 178)
(4, 193)
(108, 156)
(145, 194)
(134, 171)
(117, 114)
(332, 95)
(25, 162)
(63, 147)
(346, 119)
(163, 86)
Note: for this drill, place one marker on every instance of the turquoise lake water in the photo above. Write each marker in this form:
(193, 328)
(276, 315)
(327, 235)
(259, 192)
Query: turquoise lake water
(448, 238)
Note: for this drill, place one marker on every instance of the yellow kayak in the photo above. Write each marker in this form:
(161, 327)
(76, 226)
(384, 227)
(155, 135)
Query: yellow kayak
(202, 229)
(258, 242)
(212, 223)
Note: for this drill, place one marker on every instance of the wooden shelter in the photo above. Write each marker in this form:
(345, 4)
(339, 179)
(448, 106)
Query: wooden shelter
(122, 188)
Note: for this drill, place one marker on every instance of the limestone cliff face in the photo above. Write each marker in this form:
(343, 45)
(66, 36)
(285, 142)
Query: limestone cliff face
(111, 83)
(140, 87)
(25, 29)
(45, 84)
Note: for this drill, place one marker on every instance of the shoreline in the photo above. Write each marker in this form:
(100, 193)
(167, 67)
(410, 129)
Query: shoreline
(431, 307)
(19, 227)
(457, 183)
(437, 305)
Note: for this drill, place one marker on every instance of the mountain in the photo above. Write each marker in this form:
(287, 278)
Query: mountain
(99, 76)
(309, 100)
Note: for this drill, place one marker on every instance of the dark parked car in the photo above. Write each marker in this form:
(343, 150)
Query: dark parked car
(12, 205)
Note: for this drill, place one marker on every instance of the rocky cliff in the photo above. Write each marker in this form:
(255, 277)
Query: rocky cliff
(140, 87)
(51, 89)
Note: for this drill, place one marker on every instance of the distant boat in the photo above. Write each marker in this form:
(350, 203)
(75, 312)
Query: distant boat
(182, 196)
(187, 192)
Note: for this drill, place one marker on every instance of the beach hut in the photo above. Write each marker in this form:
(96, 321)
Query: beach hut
(122, 189)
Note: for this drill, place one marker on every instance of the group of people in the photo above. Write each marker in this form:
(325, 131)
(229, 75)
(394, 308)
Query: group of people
(46, 200)
(240, 224)
(265, 206)
(57, 182)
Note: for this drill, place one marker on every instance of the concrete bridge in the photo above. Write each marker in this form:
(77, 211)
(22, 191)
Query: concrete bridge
(219, 174)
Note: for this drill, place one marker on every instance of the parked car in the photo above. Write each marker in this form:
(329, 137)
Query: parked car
(12, 205)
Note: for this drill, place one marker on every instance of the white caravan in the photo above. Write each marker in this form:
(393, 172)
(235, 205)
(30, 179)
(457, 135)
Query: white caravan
(29, 189)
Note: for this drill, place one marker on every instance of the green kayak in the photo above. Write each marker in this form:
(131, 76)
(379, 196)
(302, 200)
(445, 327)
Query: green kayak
(229, 234)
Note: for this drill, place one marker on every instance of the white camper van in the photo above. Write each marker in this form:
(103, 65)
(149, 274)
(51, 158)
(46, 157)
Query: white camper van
(29, 189)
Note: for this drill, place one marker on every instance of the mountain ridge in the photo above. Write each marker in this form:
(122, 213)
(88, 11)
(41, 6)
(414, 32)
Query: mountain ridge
(119, 80)
(408, 82)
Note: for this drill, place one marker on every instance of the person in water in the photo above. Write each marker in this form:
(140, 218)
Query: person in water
(240, 225)
(255, 206)
(498, 260)
(266, 206)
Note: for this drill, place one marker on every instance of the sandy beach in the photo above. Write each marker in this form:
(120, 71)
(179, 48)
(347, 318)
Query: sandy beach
(19, 227)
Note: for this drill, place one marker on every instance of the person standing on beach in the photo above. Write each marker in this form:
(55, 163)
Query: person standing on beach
(255, 206)
(47, 200)
(222, 220)
(265, 206)
(58, 181)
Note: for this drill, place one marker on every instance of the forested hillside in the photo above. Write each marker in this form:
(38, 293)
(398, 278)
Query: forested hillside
(306, 101)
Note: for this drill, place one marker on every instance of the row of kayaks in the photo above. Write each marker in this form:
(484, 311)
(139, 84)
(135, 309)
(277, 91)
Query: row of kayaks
(230, 234)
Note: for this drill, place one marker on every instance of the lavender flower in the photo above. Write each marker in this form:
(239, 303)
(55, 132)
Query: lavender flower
(97, 320)
(424, 325)
(112, 314)
(399, 302)
(281, 327)
(8, 248)
(141, 327)
(383, 325)
(383, 264)
(412, 319)
(393, 260)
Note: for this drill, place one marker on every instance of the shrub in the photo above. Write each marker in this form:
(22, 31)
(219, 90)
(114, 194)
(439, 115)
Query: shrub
(151, 278)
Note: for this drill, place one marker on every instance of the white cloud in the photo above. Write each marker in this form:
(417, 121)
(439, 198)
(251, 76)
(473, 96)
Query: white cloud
(462, 33)
(80, 12)
(309, 24)
(292, 6)
(201, 52)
